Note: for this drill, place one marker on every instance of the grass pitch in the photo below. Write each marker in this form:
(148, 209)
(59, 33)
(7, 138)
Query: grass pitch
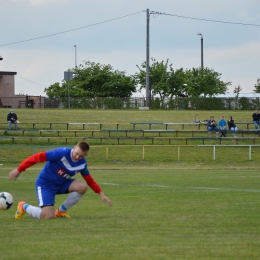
(156, 214)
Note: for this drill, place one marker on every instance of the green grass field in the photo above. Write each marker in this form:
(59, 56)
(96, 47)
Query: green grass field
(156, 214)
(164, 207)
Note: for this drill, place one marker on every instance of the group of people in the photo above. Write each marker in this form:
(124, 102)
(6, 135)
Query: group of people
(222, 126)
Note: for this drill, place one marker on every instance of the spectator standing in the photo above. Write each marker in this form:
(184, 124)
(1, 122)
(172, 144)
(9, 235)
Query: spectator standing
(222, 126)
(12, 119)
(256, 119)
(232, 126)
(212, 126)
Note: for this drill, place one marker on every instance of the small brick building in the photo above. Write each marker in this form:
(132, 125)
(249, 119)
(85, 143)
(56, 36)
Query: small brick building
(8, 97)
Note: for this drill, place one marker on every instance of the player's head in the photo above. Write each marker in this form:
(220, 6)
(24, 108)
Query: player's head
(80, 151)
(83, 146)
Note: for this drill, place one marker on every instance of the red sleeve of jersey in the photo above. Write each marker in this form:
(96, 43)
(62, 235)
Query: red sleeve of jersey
(30, 161)
(92, 184)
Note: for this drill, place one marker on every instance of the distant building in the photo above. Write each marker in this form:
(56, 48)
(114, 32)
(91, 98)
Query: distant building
(233, 95)
(8, 97)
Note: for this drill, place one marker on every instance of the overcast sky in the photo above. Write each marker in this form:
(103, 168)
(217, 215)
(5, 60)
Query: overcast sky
(114, 32)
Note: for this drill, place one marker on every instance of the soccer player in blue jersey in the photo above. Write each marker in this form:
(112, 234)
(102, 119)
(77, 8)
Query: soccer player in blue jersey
(56, 178)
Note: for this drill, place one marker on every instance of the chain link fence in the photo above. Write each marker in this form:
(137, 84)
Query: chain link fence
(177, 103)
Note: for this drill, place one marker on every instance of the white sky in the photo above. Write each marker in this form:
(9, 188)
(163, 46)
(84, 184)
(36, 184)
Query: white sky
(232, 50)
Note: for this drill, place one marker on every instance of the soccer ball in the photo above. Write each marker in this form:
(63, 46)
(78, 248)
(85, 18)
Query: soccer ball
(6, 200)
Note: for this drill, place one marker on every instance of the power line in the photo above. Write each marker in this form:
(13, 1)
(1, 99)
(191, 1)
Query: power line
(75, 29)
(202, 19)
(32, 81)
(151, 12)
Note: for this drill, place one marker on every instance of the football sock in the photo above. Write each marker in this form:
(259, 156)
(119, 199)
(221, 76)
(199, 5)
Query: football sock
(35, 212)
(72, 199)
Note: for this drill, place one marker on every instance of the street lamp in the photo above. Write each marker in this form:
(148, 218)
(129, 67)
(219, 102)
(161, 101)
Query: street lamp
(201, 40)
(68, 77)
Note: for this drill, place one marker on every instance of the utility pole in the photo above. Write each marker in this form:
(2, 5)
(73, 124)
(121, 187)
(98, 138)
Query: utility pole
(75, 46)
(201, 46)
(148, 90)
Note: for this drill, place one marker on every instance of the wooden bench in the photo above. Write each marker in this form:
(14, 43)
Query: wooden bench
(146, 123)
(126, 131)
(244, 123)
(30, 139)
(5, 132)
(242, 132)
(193, 132)
(183, 124)
(69, 131)
(158, 131)
(220, 139)
(137, 139)
(199, 124)
(83, 125)
(166, 124)
(50, 124)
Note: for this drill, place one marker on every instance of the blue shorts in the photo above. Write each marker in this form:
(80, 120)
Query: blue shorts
(213, 128)
(46, 194)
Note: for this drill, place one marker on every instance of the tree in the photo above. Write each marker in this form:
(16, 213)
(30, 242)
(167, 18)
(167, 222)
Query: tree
(167, 82)
(99, 80)
(205, 82)
(257, 86)
(164, 81)
(95, 80)
(237, 90)
(177, 83)
(158, 77)
(56, 91)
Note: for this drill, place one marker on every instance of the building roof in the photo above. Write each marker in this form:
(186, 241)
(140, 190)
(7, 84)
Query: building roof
(7, 73)
(232, 95)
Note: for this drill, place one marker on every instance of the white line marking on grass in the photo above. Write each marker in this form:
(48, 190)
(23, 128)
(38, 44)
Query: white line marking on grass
(155, 185)
(112, 184)
(141, 185)
(224, 189)
(20, 178)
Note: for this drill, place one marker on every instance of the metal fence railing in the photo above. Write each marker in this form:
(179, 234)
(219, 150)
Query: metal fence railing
(176, 103)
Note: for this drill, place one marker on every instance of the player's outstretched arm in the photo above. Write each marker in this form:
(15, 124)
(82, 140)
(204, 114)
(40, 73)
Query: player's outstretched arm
(105, 199)
(13, 175)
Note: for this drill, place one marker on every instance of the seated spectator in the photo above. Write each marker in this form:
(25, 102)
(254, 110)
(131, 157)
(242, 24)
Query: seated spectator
(231, 125)
(12, 119)
(256, 119)
(212, 126)
(222, 126)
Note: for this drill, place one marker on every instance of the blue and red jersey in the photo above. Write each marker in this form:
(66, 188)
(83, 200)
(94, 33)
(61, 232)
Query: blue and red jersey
(59, 167)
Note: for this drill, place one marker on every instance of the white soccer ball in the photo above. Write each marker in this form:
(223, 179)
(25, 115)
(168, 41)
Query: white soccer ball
(6, 200)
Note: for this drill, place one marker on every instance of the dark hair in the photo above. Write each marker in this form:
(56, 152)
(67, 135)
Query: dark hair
(83, 146)
(231, 117)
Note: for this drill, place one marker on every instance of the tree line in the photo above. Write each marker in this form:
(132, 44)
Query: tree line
(92, 80)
